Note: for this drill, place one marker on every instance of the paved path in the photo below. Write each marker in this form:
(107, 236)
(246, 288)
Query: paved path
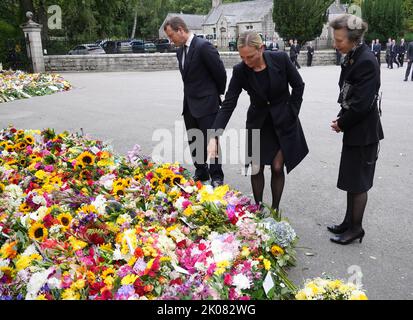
(126, 108)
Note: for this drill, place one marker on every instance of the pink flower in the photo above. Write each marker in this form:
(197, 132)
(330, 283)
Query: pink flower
(228, 279)
(49, 168)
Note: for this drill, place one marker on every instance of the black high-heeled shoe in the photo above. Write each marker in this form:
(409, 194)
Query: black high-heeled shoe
(337, 228)
(347, 239)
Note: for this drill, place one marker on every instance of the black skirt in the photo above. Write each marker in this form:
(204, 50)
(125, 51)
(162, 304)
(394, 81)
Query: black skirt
(268, 143)
(357, 167)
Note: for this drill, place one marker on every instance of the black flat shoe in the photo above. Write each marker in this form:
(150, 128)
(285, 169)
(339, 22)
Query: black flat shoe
(337, 228)
(348, 237)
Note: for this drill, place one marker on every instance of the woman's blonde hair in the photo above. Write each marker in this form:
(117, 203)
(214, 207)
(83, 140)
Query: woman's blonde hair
(250, 39)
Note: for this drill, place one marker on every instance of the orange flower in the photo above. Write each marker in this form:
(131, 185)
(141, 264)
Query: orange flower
(8, 250)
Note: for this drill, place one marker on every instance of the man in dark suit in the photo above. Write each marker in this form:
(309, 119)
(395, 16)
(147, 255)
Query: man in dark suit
(204, 77)
(402, 52)
(409, 61)
(394, 54)
(310, 54)
(377, 51)
(294, 53)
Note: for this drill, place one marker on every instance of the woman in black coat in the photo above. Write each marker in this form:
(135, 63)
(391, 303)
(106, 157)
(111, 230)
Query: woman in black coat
(266, 76)
(359, 120)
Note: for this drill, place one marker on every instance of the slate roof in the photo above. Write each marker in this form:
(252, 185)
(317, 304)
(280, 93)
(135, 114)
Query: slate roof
(238, 12)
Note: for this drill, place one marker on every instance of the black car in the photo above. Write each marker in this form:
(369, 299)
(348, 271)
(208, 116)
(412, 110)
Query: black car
(138, 46)
(164, 45)
(117, 46)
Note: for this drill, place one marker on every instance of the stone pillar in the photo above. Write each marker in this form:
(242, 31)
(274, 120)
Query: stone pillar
(32, 33)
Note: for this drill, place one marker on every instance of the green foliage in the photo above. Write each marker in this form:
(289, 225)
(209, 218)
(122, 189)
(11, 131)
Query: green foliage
(300, 19)
(385, 18)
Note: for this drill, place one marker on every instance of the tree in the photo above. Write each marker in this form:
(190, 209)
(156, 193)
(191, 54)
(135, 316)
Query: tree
(385, 18)
(300, 19)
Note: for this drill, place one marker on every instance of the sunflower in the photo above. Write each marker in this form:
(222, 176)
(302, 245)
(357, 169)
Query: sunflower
(276, 250)
(65, 219)
(21, 145)
(86, 159)
(20, 134)
(118, 191)
(38, 232)
(9, 148)
(8, 272)
(24, 208)
(108, 272)
(29, 140)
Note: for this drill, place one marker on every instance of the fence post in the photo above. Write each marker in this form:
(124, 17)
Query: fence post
(32, 33)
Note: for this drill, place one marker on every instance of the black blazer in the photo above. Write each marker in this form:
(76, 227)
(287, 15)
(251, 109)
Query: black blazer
(410, 51)
(359, 83)
(204, 78)
(281, 105)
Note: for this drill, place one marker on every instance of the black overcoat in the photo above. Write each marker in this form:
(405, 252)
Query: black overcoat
(359, 84)
(282, 105)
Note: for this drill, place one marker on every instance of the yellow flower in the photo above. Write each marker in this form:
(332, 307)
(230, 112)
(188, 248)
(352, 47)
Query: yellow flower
(38, 232)
(24, 261)
(129, 279)
(70, 294)
(301, 296)
(277, 251)
(1, 187)
(41, 175)
(358, 295)
(334, 284)
(221, 267)
(76, 244)
(79, 284)
(267, 264)
(24, 208)
(109, 281)
(188, 211)
(65, 219)
(86, 159)
(41, 297)
(8, 250)
(108, 273)
(245, 252)
(29, 139)
(216, 196)
(9, 272)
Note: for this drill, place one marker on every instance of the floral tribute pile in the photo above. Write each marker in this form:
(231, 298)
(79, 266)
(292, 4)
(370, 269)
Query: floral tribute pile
(79, 222)
(20, 85)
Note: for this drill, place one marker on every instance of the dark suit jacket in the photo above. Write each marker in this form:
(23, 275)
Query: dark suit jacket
(410, 51)
(281, 105)
(310, 51)
(359, 116)
(204, 78)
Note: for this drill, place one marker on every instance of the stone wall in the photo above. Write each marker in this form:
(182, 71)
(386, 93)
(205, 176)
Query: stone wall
(154, 62)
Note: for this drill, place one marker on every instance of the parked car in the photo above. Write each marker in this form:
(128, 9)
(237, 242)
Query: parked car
(138, 46)
(116, 46)
(150, 47)
(164, 45)
(86, 49)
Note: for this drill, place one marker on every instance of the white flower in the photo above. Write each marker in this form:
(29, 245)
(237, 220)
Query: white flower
(30, 250)
(36, 282)
(241, 282)
(117, 255)
(178, 203)
(54, 283)
(39, 200)
(100, 203)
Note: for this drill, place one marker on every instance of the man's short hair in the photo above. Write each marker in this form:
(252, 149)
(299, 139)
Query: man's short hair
(175, 23)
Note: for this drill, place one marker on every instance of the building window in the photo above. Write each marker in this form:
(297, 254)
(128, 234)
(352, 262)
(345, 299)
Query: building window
(214, 31)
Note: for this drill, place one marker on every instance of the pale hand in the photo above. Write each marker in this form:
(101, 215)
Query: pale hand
(212, 149)
(335, 126)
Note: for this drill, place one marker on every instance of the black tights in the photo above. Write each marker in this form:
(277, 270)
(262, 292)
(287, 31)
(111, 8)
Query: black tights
(356, 204)
(277, 182)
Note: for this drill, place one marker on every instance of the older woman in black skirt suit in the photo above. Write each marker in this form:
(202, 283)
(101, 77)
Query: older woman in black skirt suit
(273, 110)
(359, 120)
